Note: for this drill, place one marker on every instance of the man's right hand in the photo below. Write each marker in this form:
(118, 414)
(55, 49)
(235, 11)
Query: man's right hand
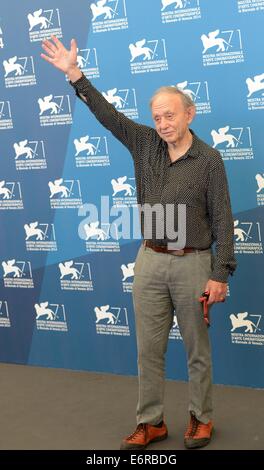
(62, 58)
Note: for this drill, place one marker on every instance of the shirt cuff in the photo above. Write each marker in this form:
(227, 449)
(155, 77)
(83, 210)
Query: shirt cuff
(221, 275)
(78, 82)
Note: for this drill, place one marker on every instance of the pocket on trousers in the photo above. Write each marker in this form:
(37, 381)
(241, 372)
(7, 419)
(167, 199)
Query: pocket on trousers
(139, 261)
(205, 261)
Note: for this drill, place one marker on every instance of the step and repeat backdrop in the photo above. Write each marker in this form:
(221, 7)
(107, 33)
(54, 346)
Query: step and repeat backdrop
(67, 186)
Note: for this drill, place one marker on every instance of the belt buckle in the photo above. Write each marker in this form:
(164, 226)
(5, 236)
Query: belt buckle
(177, 252)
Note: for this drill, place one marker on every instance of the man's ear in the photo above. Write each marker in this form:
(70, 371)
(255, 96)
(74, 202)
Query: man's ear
(191, 113)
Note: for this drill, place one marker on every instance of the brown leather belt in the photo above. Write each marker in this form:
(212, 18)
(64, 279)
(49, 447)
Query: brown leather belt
(163, 249)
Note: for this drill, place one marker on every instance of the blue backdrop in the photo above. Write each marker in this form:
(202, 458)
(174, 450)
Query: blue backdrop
(65, 288)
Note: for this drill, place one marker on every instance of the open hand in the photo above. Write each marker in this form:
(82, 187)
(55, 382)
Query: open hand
(57, 55)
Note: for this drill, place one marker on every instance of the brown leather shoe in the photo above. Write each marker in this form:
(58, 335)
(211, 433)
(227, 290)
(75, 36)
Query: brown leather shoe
(198, 434)
(144, 435)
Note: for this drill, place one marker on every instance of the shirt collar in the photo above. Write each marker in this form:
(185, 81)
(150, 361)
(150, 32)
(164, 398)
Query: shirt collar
(193, 151)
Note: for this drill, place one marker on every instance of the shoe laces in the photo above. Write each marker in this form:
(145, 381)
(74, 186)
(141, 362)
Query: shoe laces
(194, 426)
(139, 430)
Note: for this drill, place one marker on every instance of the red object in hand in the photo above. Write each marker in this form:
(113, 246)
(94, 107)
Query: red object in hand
(204, 300)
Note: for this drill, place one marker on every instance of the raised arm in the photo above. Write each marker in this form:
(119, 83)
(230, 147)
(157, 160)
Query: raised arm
(131, 134)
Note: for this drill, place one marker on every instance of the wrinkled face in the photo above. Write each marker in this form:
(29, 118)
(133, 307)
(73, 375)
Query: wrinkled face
(171, 117)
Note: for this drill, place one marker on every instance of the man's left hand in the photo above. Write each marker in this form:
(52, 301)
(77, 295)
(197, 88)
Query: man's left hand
(217, 291)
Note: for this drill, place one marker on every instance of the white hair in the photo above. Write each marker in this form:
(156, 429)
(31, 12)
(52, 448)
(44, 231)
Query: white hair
(173, 90)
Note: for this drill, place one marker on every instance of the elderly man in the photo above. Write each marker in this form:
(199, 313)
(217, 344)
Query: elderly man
(172, 167)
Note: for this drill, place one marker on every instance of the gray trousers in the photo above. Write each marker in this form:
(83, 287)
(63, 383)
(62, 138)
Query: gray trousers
(162, 283)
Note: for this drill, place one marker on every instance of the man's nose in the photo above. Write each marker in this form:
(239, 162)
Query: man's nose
(163, 123)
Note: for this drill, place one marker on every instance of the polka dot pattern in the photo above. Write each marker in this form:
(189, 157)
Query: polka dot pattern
(197, 180)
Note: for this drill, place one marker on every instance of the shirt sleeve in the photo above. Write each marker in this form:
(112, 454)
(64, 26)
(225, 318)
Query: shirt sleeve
(222, 225)
(129, 133)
